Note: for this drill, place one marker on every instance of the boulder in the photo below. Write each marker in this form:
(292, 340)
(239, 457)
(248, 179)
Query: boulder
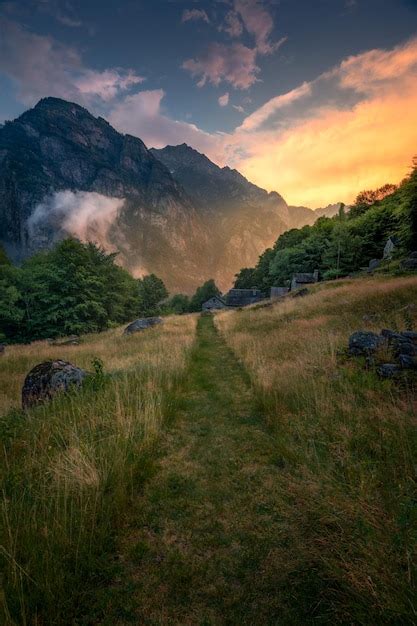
(49, 378)
(388, 370)
(142, 324)
(364, 342)
(408, 362)
(410, 335)
(373, 264)
(409, 264)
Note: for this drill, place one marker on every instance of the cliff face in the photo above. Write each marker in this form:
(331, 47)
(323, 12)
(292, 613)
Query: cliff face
(59, 147)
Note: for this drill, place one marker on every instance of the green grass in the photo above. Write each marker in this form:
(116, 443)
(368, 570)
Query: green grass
(206, 538)
(70, 469)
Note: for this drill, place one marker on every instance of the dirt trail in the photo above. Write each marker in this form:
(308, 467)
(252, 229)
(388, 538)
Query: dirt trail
(206, 537)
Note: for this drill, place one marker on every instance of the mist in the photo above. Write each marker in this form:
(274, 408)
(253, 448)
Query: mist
(86, 215)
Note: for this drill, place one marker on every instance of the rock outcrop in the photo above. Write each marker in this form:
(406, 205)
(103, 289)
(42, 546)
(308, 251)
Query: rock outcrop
(49, 378)
(142, 324)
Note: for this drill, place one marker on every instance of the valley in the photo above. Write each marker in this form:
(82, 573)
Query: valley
(235, 468)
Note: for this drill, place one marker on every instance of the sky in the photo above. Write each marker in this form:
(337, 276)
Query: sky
(316, 99)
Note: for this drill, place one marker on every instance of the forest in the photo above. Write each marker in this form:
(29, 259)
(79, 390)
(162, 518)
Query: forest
(344, 244)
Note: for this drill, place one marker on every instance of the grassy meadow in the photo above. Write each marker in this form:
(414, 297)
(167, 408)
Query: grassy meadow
(70, 467)
(346, 448)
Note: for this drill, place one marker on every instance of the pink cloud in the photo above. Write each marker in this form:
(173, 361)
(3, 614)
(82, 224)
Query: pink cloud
(141, 115)
(233, 25)
(235, 64)
(224, 100)
(259, 23)
(193, 15)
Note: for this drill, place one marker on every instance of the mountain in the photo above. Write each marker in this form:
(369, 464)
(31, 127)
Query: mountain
(300, 216)
(242, 219)
(59, 147)
(170, 211)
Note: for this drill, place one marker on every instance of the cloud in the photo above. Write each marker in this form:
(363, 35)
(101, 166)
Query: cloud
(256, 119)
(232, 26)
(88, 216)
(141, 115)
(195, 15)
(239, 108)
(224, 100)
(327, 151)
(259, 23)
(234, 64)
(40, 66)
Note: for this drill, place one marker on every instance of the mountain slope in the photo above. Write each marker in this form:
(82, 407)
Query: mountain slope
(242, 219)
(60, 147)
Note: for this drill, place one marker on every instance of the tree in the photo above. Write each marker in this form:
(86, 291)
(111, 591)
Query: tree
(178, 304)
(152, 292)
(245, 278)
(204, 293)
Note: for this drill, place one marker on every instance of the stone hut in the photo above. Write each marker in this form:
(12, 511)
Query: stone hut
(301, 280)
(213, 304)
(243, 297)
(278, 292)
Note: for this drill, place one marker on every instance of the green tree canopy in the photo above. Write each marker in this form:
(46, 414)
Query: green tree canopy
(204, 293)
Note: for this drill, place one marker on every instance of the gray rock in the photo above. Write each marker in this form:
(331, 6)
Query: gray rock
(391, 335)
(388, 370)
(373, 264)
(408, 362)
(364, 342)
(49, 378)
(410, 335)
(409, 264)
(142, 324)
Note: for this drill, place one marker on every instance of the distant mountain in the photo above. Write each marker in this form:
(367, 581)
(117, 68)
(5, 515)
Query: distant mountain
(170, 211)
(302, 216)
(242, 219)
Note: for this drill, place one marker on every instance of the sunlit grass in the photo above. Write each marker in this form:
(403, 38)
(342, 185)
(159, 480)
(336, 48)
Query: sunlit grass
(70, 467)
(347, 447)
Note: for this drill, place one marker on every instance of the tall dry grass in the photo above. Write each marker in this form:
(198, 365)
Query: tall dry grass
(70, 467)
(347, 448)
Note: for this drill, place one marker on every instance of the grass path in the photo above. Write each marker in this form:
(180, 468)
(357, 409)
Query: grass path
(202, 549)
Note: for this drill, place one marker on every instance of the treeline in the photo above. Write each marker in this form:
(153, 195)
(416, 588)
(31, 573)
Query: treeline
(77, 288)
(343, 244)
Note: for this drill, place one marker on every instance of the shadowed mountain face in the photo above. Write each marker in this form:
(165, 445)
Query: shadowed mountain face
(242, 219)
(170, 211)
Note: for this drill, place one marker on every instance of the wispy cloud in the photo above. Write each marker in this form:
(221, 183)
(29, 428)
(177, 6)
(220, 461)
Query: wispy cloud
(234, 64)
(232, 24)
(259, 23)
(194, 15)
(224, 100)
(40, 66)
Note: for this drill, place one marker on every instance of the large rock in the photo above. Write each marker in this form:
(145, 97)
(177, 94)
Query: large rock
(364, 342)
(142, 324)
(49, 378)
(389, 370)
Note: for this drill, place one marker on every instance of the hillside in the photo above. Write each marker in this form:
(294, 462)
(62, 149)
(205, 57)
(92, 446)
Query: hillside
(241, 471)
(345, 243)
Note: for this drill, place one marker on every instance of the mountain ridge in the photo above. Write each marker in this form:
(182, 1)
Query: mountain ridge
(181, 217)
